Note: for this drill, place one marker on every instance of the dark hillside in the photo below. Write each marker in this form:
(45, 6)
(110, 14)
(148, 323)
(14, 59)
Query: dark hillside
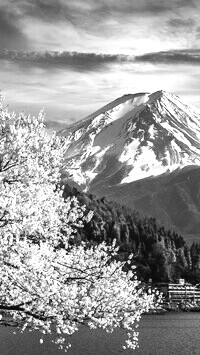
(159, 254)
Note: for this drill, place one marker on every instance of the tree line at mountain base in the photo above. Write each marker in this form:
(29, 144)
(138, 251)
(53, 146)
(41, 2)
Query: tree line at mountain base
(159, 254)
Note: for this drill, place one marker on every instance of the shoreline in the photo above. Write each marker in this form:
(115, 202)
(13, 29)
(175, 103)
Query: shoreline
(168, 307)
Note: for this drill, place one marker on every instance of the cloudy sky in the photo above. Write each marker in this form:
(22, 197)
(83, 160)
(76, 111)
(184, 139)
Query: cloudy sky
(71, 57)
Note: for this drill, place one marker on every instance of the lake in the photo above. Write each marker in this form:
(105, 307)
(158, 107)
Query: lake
(168, 334)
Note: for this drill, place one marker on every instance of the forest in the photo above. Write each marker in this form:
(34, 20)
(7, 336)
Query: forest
(158, 253)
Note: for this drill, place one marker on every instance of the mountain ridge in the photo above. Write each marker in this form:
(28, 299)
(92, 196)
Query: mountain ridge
(134, 138)
(139, 129)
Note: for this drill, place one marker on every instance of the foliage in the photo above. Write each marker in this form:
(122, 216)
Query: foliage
(47, 282)
(159, 254)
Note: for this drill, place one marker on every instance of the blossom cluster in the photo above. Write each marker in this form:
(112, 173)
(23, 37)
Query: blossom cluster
(47, 283)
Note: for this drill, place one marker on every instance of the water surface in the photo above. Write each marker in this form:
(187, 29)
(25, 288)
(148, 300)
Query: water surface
(169, 334)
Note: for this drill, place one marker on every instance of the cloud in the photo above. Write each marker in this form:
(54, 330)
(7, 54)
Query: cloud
(80, 12)
(91, 62)
(71, 60)
(11, 35)
(91, 25)
(197, 34)
(181, 23)
(144, 6)
(171, 57)
(61, 8)
(57, 11)
(46, 9)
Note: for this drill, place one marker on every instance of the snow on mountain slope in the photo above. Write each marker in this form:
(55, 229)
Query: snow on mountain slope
(131, 138)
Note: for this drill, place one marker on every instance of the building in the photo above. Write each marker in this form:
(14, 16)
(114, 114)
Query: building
(177, 292)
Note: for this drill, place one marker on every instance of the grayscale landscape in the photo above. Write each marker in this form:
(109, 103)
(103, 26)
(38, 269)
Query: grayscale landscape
(99, 177)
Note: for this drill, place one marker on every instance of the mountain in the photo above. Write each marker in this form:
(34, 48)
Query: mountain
(143, 150)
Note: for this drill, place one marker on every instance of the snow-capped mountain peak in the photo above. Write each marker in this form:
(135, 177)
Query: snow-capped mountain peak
(133, 137)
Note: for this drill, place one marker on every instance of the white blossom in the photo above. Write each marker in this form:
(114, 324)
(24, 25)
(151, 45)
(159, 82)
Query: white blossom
(46, 283)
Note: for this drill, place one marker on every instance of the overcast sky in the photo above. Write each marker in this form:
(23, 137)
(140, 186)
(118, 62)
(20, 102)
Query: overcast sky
(71, 57)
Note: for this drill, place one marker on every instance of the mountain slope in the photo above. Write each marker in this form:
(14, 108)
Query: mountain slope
(134, 149)
(159, 254)
(133, 137)
(172, 198)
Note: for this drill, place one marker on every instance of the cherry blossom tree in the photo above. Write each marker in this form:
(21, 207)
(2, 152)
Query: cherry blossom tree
(46, 282)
